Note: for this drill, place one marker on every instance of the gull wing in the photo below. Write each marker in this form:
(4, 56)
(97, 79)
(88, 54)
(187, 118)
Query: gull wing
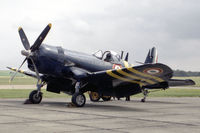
(144, 75)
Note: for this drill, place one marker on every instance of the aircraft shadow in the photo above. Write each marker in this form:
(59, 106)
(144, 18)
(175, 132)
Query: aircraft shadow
(163, 102)
(116, 108)
(94, 106)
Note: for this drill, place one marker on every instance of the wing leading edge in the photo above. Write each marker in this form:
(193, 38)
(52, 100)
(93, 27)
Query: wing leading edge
(23, 72)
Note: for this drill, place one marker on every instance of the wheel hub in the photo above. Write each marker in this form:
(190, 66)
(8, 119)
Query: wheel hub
(80, 99)
(94, 95)
(36, 97)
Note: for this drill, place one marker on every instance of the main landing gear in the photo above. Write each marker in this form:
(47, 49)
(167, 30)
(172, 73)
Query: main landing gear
(78, 99)
(145, 93)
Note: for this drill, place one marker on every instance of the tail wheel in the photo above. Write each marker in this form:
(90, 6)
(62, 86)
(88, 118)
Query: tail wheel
(106, 98)
(35, 97)
(94, 96)
(78, 99)
(143, 100)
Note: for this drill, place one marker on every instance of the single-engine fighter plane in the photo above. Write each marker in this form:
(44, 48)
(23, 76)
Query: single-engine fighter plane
(104, 74)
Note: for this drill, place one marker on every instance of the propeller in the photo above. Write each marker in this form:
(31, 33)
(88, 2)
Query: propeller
(40, 39)
(24, 39)
(17, 70)
(29, 51)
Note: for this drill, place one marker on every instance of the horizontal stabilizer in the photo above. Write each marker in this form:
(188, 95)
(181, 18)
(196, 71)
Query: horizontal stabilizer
(180, 82)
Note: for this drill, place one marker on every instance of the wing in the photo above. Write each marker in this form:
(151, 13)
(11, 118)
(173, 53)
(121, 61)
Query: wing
(78, 73)
(23, 72)
(144, 75)
(180, 82)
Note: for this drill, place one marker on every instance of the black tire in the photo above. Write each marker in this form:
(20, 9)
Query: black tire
(106, 98)
(94, 96)
(143, 100)
(78, 99)
(33, 98)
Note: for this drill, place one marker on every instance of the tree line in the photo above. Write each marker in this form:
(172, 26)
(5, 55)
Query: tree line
(181, 73)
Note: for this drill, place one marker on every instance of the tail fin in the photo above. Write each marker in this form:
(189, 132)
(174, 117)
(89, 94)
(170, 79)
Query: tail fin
(152, 56)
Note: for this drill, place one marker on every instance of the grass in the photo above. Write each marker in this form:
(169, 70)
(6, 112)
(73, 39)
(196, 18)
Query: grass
(8, 73)
(4, 80)
(172, 92)
(20, 79)
(196, 80)
(4, 72)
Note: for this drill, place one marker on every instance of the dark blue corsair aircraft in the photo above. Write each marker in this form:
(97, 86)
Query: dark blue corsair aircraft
(103, 74)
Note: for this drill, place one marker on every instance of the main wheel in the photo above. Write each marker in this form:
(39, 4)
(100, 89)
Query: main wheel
(78, 99)
(106, 98)
(94, 96)
(34, 97)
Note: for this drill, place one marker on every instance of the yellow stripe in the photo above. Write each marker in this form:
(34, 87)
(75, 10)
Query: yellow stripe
(16, 70)
(144, 75)
(135, 77)
(21, 71)
(109, 72)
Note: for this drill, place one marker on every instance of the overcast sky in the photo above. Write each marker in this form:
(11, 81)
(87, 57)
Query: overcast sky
(172, 26)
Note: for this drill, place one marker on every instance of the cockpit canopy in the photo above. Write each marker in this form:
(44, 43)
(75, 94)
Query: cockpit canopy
(109, 56)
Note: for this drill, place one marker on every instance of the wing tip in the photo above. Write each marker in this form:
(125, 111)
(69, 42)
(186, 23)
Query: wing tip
(10, 68)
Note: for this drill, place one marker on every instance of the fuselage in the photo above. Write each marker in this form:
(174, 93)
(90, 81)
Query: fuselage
(56, 61)
(63, 68)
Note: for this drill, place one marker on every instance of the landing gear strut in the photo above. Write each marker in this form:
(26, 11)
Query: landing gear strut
(145, 93)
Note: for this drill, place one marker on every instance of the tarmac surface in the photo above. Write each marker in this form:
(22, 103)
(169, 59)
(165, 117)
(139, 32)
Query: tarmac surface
(157, 115)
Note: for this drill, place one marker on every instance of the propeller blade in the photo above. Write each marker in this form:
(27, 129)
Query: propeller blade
(24, 39)
(18, 70)
(41, 37)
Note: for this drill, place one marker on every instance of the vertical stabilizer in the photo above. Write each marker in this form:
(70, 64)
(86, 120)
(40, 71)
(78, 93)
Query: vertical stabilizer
(152, 56)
